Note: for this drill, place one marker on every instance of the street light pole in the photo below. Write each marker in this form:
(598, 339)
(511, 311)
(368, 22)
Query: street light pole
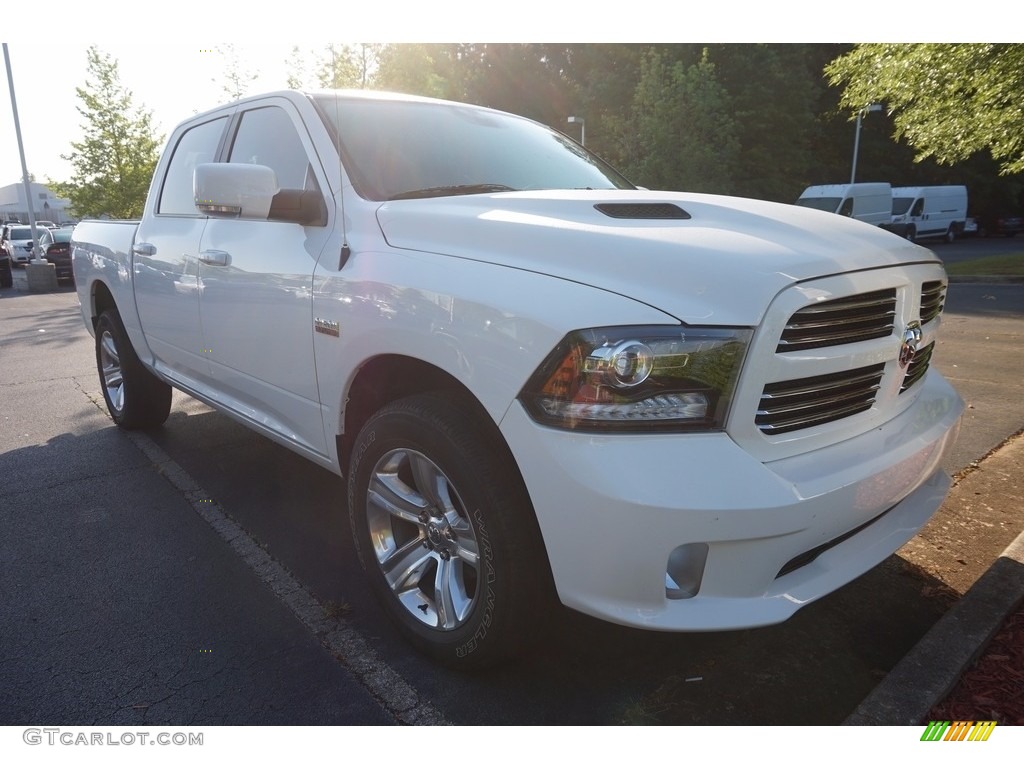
(21, 154)
(583, 128)
(856, 137)
(41, 274)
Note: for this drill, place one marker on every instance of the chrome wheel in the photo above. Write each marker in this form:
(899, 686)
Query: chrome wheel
(110, 370)
(135, 397)
(422, 539)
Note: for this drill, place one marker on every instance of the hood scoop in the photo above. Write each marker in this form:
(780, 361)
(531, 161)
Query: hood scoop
(642, 211)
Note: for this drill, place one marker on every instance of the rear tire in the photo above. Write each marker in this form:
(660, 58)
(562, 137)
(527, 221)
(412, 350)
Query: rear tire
(446, 533)
(135, 397)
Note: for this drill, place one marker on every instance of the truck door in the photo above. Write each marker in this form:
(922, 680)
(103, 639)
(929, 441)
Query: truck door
(165, 259)
(257, 283)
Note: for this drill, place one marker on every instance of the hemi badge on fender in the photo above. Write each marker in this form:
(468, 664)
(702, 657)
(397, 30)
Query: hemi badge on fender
(329, 327)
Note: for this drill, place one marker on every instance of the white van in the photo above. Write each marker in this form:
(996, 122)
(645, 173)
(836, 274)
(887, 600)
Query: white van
(870, 202)
(929, 212)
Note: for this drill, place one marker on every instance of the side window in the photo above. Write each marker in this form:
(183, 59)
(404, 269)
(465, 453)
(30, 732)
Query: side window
(266, 136)
(846, 209)
(918, 208)
(197, 145)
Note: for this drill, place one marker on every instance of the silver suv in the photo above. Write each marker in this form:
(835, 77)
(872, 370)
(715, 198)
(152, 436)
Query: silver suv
(18, 240)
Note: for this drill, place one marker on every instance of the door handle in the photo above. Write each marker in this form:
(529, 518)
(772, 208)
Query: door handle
(215, 258)
(144, 249)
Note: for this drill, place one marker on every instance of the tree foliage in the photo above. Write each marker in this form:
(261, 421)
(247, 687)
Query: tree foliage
(234, 79)
(948, 100)
(296, 64)
(416, 68)
(348, 66)
(681, 135)
(114, 162)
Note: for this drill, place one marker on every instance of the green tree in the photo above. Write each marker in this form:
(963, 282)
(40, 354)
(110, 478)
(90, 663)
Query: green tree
(113, 163)
(348, 66)
(600, 83)
(948, 100)
(682, 135)
(438, 70)
(773, 96)
(296, 78)
(234, 78)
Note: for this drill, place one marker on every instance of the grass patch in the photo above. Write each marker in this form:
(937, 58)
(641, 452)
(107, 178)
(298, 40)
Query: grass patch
(1005, 264)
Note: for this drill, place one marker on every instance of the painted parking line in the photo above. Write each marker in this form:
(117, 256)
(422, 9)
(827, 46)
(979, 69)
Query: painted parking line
(343, 642)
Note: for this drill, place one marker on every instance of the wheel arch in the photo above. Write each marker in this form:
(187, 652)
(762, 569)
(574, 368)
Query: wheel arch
(386, 378)
(100, 300)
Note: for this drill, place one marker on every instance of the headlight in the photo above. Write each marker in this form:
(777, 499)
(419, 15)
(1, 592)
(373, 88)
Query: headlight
(654, 378)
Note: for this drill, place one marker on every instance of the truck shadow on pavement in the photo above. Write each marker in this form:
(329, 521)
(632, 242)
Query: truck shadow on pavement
(813, 669)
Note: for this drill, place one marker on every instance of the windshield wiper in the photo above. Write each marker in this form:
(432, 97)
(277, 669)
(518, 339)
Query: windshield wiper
(455, 189)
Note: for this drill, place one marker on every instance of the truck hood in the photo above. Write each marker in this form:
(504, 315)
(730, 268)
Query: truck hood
(721, 266)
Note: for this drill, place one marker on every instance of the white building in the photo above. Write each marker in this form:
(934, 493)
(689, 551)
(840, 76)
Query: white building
(45, 205)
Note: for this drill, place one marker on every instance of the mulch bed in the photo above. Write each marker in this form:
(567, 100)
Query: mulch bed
(992, 689)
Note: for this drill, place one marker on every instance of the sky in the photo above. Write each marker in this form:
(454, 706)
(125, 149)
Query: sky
(172, 80)
(173, 74)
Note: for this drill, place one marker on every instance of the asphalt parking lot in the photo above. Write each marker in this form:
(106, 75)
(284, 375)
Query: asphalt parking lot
(200, 574)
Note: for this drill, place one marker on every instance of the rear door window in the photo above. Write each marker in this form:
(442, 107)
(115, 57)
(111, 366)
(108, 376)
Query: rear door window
(197, 145)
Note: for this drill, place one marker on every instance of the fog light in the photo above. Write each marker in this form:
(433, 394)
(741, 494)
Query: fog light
(685, 570)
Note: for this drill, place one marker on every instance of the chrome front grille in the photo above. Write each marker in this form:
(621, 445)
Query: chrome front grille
(825, 362)
(933, 298)
(802, 403)
(840, 321)
(918, 367)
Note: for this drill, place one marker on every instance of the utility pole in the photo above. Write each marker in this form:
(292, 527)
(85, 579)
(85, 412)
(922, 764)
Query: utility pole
(42, 275)
(856, 137)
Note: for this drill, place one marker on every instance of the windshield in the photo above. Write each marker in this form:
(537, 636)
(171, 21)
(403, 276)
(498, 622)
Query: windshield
(820, 203)
(24, 233)
(900, 205)
(61, 236)
(396, 149)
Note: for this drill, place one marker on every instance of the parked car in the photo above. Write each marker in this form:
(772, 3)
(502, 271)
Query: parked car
(58, 253)
(6, 248)
(6, 274)
(47, 224)
(19, 239)
(1006, 224)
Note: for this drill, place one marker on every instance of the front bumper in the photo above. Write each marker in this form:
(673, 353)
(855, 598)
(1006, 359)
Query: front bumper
(612, 508)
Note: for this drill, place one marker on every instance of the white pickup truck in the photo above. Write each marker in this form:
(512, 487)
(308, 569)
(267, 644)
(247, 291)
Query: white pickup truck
(671, 411)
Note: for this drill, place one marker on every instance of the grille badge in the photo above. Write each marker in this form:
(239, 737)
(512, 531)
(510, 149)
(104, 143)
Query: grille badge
(911, 341)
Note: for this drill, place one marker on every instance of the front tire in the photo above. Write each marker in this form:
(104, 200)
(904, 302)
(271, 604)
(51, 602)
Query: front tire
(135, 398)
(446, 533)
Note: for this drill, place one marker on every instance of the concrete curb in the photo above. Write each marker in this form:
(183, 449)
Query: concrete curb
(986, 278)
(926, 675)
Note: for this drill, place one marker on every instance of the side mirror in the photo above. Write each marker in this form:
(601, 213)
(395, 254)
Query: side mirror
(300, 206)
(234, 190)
(244, 191)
